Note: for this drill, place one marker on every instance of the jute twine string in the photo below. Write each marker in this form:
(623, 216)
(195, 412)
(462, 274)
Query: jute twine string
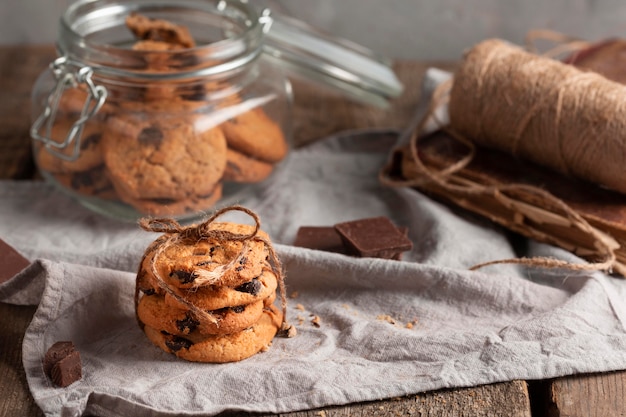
(542, 110)
(177, 233)
(489, 96)
(564, 44)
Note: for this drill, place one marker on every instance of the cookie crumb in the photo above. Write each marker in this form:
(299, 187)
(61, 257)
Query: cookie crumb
(321, 413)
(387, 318)
(300, 320)
(294, 294)
(299, 307)
(315, 321)
(288, 331)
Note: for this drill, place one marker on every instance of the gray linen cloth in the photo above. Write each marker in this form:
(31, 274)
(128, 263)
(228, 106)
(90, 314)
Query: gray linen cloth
(469, 328)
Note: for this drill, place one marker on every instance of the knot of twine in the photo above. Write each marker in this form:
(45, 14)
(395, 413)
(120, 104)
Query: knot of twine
(176, 233)
(476, 123)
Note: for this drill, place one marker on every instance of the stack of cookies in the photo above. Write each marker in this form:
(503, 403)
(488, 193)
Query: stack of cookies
(163, 148)
(206, 292)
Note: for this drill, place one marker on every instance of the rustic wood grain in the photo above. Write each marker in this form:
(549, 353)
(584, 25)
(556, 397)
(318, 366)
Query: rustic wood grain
(506, 399)
(593, 395)
(19, 68)
(15, 399)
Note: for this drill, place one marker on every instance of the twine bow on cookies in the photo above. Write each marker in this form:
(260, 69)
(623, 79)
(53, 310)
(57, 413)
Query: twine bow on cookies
(175, 233)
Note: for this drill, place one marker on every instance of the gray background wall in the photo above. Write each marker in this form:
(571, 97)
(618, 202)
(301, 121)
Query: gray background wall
(414, 29)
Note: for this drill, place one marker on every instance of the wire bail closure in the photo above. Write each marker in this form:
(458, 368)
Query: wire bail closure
(68, 74)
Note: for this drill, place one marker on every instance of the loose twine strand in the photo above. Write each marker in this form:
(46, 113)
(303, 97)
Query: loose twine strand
(444, 178)
(176, 233)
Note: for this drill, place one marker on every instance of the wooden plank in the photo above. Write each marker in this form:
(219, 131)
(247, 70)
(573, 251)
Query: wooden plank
(505, 399)
(593, 395)
(16, 399)
(19, 68)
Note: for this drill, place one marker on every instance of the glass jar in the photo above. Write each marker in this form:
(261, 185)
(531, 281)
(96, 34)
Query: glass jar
(165, 109)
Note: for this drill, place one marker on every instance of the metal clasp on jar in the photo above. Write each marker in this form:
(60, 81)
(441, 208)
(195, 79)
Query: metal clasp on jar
(67, 74)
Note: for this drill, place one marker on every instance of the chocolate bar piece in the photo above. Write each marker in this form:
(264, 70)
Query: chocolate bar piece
(323, 238)
(606, 57)
(11, 262)
(62, 364)
(67, 371)
(374, 237)
(405, 232)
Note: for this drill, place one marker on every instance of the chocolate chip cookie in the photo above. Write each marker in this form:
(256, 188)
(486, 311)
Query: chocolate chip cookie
(88, 154)
(216, 297)
(162, 159)
(242, 168)
(254, 134)
(159, 30)
(189, 263)
(221, 348)
(154, 312)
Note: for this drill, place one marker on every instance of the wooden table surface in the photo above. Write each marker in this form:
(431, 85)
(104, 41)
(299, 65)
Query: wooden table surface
(317, 114)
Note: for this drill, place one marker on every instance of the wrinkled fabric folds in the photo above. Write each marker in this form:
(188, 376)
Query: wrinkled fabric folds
(386, 328)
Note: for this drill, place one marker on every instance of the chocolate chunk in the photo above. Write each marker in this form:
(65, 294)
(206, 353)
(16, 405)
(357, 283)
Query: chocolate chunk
(323, 238)
(242, 264)
(11, 262)
(55, 353)
(374, 237)
(62, 363)
(150, 136)
(197, 92)
(205, 263)
(238, 309)
(252, 287)
(405, 232)
(187, 325)
(185, 277)
(67, 370)
(177, 343)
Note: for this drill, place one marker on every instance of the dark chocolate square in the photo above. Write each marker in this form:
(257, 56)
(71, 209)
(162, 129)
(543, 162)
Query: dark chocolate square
(67, 370)
(405, 231)
(55, 353)
(323, 238)
(374, 237)
(11, 262)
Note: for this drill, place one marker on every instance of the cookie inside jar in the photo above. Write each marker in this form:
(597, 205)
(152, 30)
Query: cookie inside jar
(191, 116)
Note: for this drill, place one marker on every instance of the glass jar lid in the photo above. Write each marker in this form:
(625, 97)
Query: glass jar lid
(349, 67)
(233, 33)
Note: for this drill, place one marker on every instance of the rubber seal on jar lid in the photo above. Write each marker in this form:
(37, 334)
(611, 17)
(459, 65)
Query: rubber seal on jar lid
(305, 51)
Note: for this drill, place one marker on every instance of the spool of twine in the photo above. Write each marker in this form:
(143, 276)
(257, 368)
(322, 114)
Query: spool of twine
(542, 110)
(537, 108)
